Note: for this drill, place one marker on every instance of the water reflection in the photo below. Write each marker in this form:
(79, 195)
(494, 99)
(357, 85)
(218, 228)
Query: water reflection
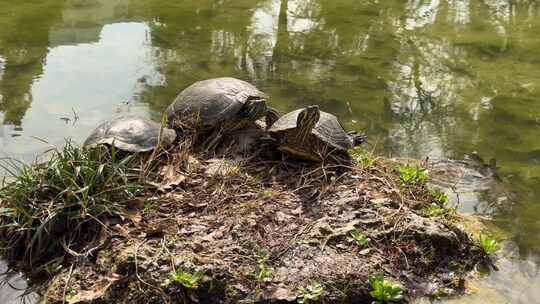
(459, 12)
(421, 13)
(423, 77)
(263, 36)
(82, 21)
(516, 281)
(81, 69)
(23, 52)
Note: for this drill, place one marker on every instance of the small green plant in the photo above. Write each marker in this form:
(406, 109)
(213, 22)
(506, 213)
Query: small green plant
(310, 293)
(187, 279)
(384, 290)
(361, 158)
(488, 244)
(412, 175)
(358, 237)
(438, 195)
(53, 267)
(265, 194)
(264, 271)
(433, 210)
(148, 207)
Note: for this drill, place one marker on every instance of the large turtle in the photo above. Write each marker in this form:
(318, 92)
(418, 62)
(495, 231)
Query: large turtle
(132, 134)
(312, 134)
(222, 104)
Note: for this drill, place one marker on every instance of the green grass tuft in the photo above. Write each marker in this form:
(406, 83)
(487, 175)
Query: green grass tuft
(362, 158)
(56, 206)
(384, 290)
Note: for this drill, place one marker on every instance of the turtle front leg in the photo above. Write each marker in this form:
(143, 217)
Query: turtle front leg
(357, 139)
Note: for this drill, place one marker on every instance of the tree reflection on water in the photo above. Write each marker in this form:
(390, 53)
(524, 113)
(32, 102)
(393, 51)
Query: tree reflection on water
(422, 77)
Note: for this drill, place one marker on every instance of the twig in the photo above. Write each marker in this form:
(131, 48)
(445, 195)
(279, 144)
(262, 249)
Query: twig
(159, 290)
(67, 284)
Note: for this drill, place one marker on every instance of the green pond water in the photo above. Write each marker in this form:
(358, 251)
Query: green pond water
(437, 78)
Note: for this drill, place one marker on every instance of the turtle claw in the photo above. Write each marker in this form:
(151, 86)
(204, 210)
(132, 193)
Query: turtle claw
(358, 139)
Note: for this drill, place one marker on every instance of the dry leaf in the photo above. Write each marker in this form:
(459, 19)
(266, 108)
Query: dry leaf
(278, 294)
(133, 215)
(97, 290)
(221, 167)
(171, 183)
(171, 178)
(136, 203)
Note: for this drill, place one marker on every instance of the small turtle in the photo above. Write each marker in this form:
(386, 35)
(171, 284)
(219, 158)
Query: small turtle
(314, 135)
(223, 104)
(132, 134)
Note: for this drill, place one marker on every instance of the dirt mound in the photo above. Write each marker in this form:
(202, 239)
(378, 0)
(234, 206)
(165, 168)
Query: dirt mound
(244, 230)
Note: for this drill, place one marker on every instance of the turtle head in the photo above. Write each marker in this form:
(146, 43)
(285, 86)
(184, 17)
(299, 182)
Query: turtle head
(306, 120)
(254, 109)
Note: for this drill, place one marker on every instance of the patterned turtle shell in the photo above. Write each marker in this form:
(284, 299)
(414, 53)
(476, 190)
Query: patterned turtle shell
(132, 134)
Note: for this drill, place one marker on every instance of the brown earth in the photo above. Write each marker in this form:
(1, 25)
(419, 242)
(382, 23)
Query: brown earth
(260, 230)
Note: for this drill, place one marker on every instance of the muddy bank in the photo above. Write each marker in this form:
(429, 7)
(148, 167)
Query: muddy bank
(243, 230)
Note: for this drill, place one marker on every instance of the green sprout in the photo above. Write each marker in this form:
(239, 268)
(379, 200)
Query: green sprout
(358, 237)
(186, 279)
(310, 293)
(149, 207)
(433, 210)
(265, 194)
(264, 271)
(412, 175)
(438, 195)
(384, 290)
(488, 244)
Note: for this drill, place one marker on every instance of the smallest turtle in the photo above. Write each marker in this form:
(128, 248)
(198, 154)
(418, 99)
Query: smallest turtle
(132, 134)
(312, 134)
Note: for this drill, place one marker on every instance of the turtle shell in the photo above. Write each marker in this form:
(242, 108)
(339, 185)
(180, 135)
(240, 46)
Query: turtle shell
(212, 101)
(328, 129)
(132, 134)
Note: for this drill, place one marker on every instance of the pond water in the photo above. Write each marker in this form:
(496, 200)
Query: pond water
(436, 78)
